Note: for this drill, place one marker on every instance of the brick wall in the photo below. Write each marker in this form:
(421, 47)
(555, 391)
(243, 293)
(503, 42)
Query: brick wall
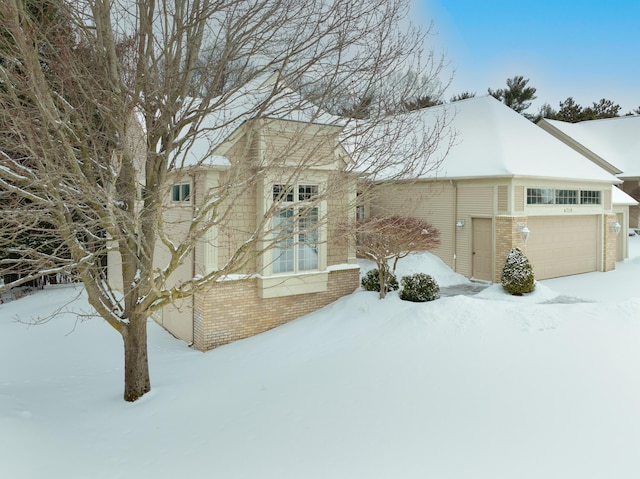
(232, 310)
(610, 242)
(507, 237)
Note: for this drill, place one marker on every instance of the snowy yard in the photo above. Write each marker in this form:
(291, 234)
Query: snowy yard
(489, 386)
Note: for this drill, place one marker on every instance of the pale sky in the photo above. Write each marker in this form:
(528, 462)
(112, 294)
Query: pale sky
(585, 49)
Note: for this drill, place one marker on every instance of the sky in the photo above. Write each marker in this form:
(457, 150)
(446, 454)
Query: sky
(585, 49)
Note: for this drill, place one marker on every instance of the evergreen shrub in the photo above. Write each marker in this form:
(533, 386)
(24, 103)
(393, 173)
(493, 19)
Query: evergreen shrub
(371, 281)
(517, 274)
(419, 288)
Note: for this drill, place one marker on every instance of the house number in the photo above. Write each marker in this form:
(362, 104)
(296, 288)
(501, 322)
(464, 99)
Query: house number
(568, 210)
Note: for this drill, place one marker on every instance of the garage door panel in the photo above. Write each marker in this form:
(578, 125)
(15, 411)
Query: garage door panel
(561, 246)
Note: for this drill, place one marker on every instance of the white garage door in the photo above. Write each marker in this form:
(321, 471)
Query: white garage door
(560, 246)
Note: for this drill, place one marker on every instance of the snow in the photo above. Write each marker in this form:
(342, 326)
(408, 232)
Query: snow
(492, 140)
(615, 140)
(485, 386)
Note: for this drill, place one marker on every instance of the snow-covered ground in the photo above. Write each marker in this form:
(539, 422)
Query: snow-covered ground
(488, 386)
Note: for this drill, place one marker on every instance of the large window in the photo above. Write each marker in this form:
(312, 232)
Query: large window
(297, 225)
(549, 196)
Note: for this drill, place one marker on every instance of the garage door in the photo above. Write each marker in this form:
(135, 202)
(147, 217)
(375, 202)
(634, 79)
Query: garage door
(560, 246)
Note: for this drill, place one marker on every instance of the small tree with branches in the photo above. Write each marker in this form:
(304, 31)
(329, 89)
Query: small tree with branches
(385, 240)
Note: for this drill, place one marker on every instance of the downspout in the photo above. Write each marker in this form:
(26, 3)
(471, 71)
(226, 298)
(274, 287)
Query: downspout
(193, 261)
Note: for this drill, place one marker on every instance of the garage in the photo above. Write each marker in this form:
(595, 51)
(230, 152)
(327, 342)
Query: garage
(562, 245)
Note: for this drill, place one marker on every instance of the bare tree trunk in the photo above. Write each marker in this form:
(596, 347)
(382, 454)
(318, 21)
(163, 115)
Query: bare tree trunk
(136, 362)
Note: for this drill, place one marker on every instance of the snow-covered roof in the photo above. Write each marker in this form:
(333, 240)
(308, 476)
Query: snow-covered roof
(255, 99)
(616, 140)
(619, 197)
(492, 140)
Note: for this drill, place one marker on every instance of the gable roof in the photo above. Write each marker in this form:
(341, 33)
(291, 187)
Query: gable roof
(266, 96)
(616, 140)
(492, 140)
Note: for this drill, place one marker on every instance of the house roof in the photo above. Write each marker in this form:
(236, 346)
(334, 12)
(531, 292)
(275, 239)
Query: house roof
(619, 197)
(256, 99)
(616, 140)
(492, 140)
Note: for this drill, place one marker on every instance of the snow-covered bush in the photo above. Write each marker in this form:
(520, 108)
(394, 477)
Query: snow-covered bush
(419, 288)
(371, 281)
(517, 274)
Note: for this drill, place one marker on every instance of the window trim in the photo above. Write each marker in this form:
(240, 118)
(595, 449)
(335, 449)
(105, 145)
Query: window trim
(305, 201)
(551, 197)
(182, 197)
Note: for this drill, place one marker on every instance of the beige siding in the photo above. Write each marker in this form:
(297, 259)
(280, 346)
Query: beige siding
(473, 201)
(503, 199)
(632, 187)
(298, 144)
(607, 199)
(518, 198)
(433, 202)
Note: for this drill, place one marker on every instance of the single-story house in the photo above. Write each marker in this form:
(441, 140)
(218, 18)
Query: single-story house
(505, 183)
(612, 143)
(260, 159)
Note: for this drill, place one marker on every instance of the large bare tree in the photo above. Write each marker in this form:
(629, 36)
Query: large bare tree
(101, 101)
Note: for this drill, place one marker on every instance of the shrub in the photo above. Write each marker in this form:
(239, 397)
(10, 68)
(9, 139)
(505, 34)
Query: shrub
(419, 288)
(371, 281)
(517, 274)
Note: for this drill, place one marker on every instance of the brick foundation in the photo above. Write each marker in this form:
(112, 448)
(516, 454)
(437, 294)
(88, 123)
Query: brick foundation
(232, 310)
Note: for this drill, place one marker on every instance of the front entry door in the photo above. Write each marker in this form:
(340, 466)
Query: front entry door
(482, 249)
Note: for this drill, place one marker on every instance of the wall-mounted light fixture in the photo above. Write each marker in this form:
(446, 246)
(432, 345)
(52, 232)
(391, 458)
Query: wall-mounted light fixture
(616, 227)
(524, 231)
(459, 224)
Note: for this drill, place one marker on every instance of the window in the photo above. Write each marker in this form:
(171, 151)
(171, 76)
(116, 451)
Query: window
(181, 192)
(539, 196)
(549, 196)
(589, 197)
(566, 197)
(298, 224)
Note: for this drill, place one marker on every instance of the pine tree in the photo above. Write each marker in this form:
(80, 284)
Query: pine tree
(517, 95)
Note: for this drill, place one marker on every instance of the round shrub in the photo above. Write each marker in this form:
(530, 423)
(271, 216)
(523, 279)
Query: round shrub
(371, 281)
(517, 274)
(419, 288)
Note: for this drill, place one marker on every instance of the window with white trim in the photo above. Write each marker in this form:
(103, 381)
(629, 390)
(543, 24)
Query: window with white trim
(550, 196)
(297, 224)
(181, 193)
(588, 197)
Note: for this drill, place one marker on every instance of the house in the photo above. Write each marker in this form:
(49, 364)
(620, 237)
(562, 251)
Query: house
(505, 183)
(264, 170)
(612, 143)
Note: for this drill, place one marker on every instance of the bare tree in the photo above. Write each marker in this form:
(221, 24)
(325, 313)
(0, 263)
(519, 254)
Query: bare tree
(387, 239)
(95, 123)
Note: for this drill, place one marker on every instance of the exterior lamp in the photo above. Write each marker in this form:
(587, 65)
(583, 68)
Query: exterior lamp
(459, 224)
(616, 227)
(524, 232)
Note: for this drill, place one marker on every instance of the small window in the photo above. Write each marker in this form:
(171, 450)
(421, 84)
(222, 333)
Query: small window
(588, 197)
(566, 197)
(307, 192)
(539, 196)
(181, 192)
(283, 193)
